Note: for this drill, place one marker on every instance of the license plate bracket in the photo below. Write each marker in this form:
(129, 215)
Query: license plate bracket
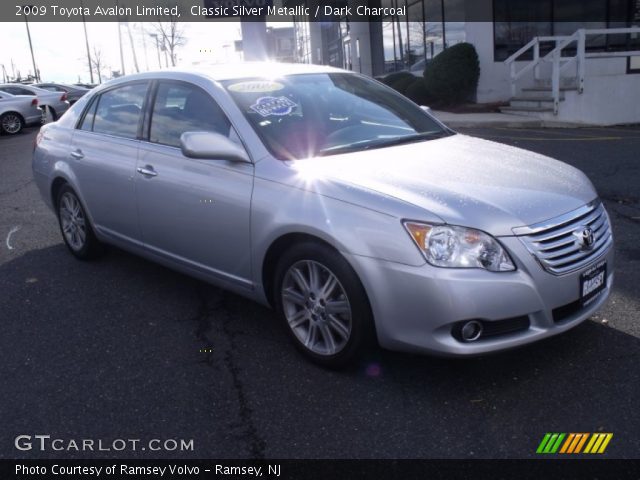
(593, 282)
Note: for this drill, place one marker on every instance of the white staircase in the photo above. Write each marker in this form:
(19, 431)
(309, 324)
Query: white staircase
(552, 86)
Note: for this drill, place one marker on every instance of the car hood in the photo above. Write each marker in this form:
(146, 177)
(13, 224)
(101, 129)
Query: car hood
(463, 180)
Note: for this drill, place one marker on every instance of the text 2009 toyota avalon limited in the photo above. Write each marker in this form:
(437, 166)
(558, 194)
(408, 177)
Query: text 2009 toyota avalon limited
(349, 209)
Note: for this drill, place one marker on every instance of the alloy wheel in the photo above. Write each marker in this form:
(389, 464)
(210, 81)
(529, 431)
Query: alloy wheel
(11, 123)
(72, 221)
(316, 307)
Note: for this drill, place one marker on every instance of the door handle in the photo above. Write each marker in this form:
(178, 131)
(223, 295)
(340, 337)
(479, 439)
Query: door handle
(147, 171)
(77, 154)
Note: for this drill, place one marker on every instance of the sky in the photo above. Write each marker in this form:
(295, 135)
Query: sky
(61, 54)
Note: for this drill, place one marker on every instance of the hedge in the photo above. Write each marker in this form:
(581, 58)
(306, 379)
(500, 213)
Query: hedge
(451, 78)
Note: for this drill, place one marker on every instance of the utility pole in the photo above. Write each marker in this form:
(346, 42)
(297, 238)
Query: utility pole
(144, 45)
(133, 49)
(120, 40)
(86, 41)
(36, 74)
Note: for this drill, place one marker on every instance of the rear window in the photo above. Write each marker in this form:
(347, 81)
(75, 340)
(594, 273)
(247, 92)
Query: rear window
(119, 110)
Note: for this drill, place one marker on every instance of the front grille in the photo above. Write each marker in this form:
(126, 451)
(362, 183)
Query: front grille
(557, 244)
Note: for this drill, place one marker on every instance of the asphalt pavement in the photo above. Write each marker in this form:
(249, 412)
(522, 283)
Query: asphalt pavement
(121, 348)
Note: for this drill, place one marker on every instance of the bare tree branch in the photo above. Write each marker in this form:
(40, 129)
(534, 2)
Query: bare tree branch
(97, 62)
(171, 34)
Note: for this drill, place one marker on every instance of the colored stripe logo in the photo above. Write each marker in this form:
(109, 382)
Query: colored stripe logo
(574, 443)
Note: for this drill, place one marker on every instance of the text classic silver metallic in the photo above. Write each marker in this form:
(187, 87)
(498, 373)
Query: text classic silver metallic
(349, 209)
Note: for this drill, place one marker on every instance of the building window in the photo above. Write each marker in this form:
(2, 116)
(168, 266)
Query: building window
(302, 52)
(430, 26)
(516, 22)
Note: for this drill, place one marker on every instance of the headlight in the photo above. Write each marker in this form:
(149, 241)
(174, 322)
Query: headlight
(459, 247)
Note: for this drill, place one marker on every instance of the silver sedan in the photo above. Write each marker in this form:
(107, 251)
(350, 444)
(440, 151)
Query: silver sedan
(55, 102)
(18, 111)
(350, 210)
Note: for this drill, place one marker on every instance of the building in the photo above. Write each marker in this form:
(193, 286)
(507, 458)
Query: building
(608, 63)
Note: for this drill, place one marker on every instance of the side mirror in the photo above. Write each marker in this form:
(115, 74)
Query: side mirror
(425, 108)
(211, 146)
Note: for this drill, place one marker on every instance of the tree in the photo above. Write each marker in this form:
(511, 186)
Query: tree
(97, 62)
(172, 35)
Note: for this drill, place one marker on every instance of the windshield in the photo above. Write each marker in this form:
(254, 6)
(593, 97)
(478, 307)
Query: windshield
(302, 116)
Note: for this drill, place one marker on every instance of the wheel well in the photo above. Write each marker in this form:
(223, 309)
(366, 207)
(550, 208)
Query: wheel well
(275, 251)
(55, 189)
(15, 113)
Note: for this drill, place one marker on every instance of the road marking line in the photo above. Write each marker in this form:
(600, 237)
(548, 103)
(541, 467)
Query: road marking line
(11, 232)
(580, 139)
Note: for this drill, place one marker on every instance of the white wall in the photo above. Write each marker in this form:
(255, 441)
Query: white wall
(360, 32)
(493, 85)
(606, 100)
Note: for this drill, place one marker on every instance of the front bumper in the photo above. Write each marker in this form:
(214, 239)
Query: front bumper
(416, 309)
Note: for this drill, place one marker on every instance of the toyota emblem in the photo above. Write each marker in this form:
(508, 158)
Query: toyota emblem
(586, 237)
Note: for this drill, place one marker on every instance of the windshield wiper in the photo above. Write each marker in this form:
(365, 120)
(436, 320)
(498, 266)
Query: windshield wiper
(368, 145)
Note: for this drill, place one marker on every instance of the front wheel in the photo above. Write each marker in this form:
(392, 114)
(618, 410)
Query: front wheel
(11, 123)
(323, 305)
(75, 227)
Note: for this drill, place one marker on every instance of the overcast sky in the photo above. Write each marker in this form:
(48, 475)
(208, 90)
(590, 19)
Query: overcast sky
(61, 54)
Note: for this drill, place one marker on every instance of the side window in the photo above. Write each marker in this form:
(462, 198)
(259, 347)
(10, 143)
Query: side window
(14, 90)
(87, 121)
(119, 110)
(180, 108)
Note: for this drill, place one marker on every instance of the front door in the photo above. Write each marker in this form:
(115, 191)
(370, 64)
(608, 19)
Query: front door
(194, 212)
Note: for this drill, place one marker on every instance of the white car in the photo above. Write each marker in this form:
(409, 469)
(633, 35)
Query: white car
(55, 102)
(18, 111)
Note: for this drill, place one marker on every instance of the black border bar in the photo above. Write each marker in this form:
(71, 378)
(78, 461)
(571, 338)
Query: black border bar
(542, 469)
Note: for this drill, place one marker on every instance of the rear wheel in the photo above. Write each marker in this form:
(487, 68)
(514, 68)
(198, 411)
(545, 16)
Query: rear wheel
(323, 305)
(11, 123)
(75, 227)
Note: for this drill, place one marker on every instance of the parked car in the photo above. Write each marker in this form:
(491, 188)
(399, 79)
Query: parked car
(353, 212)
(86, 85)
(73, 92)
(55, 102)
(18, 111)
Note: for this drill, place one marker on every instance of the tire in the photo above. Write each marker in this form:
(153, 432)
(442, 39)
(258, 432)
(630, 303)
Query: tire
(323, 305)
(11, 123)
(75, 227)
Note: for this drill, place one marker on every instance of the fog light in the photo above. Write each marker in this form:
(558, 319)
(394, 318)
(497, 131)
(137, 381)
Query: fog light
(471, 331)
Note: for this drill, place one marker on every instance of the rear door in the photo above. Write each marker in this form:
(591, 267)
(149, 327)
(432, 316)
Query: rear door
(194, 212)
(104, 153)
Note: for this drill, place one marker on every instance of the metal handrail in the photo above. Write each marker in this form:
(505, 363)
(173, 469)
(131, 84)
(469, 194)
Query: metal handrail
(560, 63)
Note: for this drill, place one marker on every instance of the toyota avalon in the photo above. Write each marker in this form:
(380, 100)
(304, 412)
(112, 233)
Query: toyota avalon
(350, 210)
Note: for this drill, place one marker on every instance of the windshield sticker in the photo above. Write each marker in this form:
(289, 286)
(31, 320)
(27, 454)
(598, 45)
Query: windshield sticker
(268, 106)
(260, 86)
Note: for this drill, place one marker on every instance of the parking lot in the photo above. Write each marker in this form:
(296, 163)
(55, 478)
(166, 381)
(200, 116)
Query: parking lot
(122, 348)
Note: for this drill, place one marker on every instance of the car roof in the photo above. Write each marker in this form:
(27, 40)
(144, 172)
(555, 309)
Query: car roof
(228, 71)
(233, 71)
(22, 85)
